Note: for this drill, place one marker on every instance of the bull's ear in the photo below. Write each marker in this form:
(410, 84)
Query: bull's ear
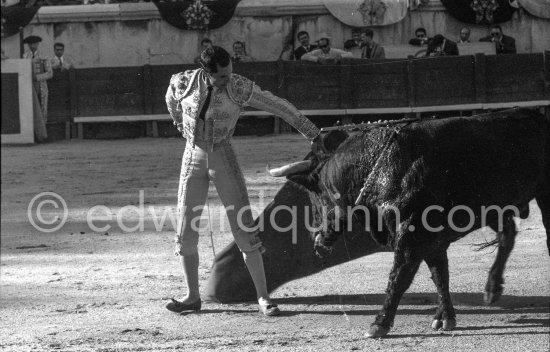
(309, 182)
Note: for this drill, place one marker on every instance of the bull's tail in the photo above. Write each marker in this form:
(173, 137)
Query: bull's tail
(487, 244)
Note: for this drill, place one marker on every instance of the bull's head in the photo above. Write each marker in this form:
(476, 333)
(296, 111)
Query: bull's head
(326, 200)
(336, 183)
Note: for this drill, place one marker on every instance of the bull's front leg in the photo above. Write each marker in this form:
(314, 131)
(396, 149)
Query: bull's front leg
(445, 317)
(405, 266)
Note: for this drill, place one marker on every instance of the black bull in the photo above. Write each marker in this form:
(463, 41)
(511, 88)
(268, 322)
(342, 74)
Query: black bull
(430, 183)
(497, 159)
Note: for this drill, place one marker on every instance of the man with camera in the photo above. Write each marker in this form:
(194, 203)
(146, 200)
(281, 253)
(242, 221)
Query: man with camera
(504, 44)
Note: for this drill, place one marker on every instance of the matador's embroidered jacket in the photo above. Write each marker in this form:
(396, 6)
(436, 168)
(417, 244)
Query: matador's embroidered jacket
(187, 93)
(42, 71)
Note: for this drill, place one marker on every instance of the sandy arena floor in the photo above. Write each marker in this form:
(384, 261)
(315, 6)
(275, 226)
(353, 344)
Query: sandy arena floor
(76, 289)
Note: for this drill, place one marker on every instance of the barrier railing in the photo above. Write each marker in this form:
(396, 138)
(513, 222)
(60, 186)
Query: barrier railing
(352, 87)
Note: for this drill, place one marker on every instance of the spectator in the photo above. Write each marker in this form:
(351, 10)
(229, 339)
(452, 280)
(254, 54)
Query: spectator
(370, 48)
(504, 44)
(441, 46)
(325, 54)
(41, 72)
(421, 37)
(356, 36)
(60, 62)
(353, 45)
(305, 46)
(205, 44)
(239, 53)
(464, 36)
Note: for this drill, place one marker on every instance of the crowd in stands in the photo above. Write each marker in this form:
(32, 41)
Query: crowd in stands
(363, 46)
(440, 46)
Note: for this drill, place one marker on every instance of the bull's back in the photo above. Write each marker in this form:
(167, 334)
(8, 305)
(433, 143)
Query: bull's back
(493, 159)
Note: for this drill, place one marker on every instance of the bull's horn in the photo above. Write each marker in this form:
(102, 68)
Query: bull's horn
(289, 169)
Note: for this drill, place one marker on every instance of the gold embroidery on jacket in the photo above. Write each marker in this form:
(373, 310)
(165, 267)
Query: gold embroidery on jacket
(240, 89)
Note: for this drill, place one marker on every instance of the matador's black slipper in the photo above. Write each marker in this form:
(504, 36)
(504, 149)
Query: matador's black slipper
(178, 307)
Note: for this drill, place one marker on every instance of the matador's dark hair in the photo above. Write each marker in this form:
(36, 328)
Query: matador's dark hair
(213, 57)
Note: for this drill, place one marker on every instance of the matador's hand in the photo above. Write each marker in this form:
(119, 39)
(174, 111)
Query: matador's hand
(318, 145)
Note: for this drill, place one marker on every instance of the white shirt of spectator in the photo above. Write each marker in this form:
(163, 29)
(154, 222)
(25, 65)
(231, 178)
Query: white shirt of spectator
(332, 54)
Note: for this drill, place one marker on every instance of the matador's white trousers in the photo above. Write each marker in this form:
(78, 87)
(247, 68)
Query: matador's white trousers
(199, 167)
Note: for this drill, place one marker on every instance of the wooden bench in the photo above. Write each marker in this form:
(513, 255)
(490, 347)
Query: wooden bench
(154, 118)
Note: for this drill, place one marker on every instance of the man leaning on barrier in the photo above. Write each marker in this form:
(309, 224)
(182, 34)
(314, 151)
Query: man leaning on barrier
(324, 54)
(205, 104)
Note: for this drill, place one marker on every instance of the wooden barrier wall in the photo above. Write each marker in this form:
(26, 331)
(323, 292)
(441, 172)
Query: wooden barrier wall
(388, 83)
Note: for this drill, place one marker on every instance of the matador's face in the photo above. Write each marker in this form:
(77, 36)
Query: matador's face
(221, 78)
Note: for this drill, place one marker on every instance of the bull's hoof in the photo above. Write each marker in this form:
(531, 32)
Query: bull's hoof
(449, 324)
(437, 324)
(376, 331)
(444, 325)
(491, 297)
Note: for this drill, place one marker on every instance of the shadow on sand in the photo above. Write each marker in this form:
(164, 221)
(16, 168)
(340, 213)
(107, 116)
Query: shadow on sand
(506, 305)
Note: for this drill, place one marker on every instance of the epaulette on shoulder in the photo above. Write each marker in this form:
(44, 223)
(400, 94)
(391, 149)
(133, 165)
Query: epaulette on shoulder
(182, 83)
(181, 80)
(240, 89)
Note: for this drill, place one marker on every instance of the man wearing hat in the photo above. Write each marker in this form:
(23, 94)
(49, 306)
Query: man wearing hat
(324, 54)
(41, 72)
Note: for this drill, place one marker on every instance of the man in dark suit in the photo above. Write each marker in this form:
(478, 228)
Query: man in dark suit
(441, 46)
(371, 49)
(504, 44)
(305, 47)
